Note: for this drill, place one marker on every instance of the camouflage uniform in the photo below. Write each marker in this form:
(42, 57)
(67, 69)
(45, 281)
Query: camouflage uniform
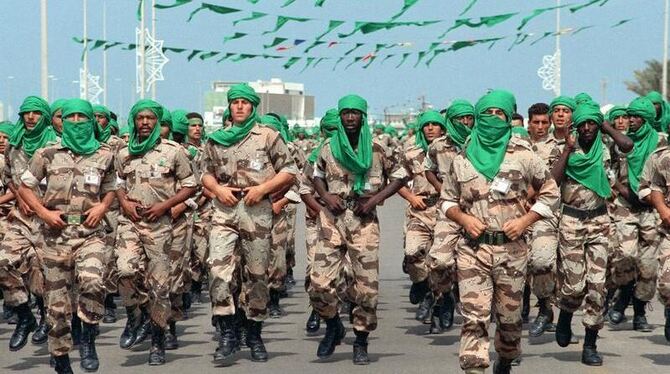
(6, 207)
(348, 233)
(254, 160)
(143, 248)
(493, 276)
(112, 220)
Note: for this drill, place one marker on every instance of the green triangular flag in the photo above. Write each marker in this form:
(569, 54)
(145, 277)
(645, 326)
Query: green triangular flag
(253, 16)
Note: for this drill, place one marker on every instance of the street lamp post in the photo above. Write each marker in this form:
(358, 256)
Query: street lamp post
(44, 69)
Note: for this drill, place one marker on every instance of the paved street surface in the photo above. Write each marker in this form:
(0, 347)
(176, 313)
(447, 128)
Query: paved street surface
(400, 345)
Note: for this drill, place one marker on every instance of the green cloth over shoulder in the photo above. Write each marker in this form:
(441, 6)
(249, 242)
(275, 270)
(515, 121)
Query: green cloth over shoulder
(661, 121)
(238, 131)
(328, 125)
(137, 147)
(645, 139)
(31, 140)
(457, 131)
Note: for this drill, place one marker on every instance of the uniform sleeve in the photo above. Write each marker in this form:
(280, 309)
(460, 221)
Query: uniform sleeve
(120, 176)
(430, 162)
(393, 169)
(451, 191)
(548, 194)
(320, 164)
(109, 179)
(7, 171)
(36, 170)
(182, 169)
(651, 179)
(280, 156)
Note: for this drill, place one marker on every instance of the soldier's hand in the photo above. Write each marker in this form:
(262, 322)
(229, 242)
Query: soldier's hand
(311, 213)
(277, 207)
(473, 226)
(156, 211)
(515, 228)
(253, 195)
(178, 210)
(570, 142)
(95, 215)
(225, 195)
(53, 219)
(365, 206)
(417, 202)
(25, 209)
(665, 216)
(334, 204)
(130, 209)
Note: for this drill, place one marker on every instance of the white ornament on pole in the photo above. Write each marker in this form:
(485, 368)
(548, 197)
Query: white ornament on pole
(89, 87)
(550, 72)
(154, 61)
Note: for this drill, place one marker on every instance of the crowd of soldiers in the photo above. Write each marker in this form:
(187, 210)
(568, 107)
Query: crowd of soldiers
(572, 208)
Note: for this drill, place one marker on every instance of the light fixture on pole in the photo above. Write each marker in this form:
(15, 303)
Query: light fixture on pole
(550, 71)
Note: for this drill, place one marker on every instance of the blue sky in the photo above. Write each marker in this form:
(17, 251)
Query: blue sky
(597, 54)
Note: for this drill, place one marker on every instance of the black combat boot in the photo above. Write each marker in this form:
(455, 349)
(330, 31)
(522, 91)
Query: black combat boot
(274, 311)
(590, 355)
(89, 357)
(616, 313)
(334, 334)
(255, 342)
(290, 280)
(76, 329)
(360, 356)
(545, 317)
(25, 325)
(502, 366)
(41, 335)
(423, 312)
(129, 334)
(525, 307)
(171, 342)
(9, 315)
(313, 323)
(157, 350)
(448, 306)
(228, 345)
(418, 291)
(145, 327)
(640, 317)
(196, 292)
(110, 310)
(62, 364)
(667, 324)
(436, 322)
(564, 329)
(241, 328)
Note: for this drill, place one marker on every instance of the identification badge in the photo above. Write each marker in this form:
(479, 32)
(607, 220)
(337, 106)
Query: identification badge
(92, 179)
(196, 217)
(501, 185)
(256, 165)
(367, 186)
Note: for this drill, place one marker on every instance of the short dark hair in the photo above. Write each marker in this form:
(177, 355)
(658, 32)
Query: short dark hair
(537, 109)
(113, 116)
(194, 115)
(516, 116)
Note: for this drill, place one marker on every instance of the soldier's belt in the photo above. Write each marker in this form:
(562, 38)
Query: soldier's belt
(239, 195)
(493, 238)
(584, 213)
(350, 203)
(73, 219)
(430, 201)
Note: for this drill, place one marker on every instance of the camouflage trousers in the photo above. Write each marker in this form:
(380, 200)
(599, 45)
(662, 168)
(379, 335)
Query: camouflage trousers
(582, 266)
(143, 251)
(240, 236)
(73, 268)
(277, 260)
(290, 242)
(490, 277)
(179, 256)
(441, 258)
(542, 257)
(200, 227)
(359, 238)
(111, 274)
(419, 228)
(21, 262)
(635, 257)
(664, 268)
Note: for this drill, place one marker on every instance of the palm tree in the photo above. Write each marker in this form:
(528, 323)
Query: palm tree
(647, 79)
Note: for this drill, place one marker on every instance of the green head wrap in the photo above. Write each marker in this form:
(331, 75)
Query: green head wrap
(379, 126)
(196, 120)
(328, 125)
(566, 101)
(430, 116)
(490, 135)
(166, 118)
(358, 162)
(238, 131)
(645, 139)
(135, 146)
(390, 130)
(582, 98)
(616, 112)
(56, 106)
(661, 122)
(179, 122)
(457, 131)
(103, 134)
(587, 168)
(284, 124)
(79, 137)
(41, 134)
(124, 131)
(7, 128)
(275, 123)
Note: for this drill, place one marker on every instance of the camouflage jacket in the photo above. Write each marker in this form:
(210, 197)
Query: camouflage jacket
(413, 160)
(621, 170)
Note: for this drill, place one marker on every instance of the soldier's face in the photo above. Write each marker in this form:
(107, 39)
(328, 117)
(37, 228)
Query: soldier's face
(351, 120)
(467, 120)
(145, 121)
(497, 112)
(635, 123)
(76, 117)
(587, 131)
(432, 131)
(57, 120)
(561, 117)
(621, 123)
(195, 131)
(240, 110)
(102, 120)
(165, 131)
(30, 119)
(3, 141)
(538, 126)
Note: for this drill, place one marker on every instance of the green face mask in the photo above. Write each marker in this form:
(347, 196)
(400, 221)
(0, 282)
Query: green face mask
(79, 137)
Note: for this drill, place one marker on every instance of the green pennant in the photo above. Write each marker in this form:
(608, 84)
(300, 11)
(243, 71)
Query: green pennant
(130, 47)
(213, 8)
(140, 5)
(544, 36)
(237, 35)
(468, 7)
(623, 21)
(581, 29)
(291, 61)
(332, 25)
(98, 44)
(538, 12)
(265, 56)
(370, 61)
(319, 61)
(319, 3)
(315, 44)
(309, 62)
(338, 62)
(487, 21)
(275, 43)
(356, 59)
(253, 16)
(408, 4)
(282, 20)
(175, 50)
(436, 53)
(404, 58)
(194, 53)
(207, 55)
(225, 57)
(358, 45)
(111, 44)
(287, 3)
(386, 58)
(520, 38)
(176, 4)
(422, 54)
(243, 56)
(587, 4)
(370, 27)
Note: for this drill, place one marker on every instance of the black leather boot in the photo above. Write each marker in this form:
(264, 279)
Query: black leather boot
(41, 335)
(76, 329)
(89, 357)
(255, 342)
(274, 311)
(525, 308)
(423, 312)
(110, 310)
(418, 291)
(616, 313)
(334, 334)
(640, 317)
(129, 334)
(196, 292)
(145, 327)
(171, 342)
(241, 328)
(436, 322)
(25, 325)
(502, 366)
(313, 323)
(157, 350)
(360, 356)
(448, 306)
(186, 301)
(290, 281)
(62, 364)
(9, 315)
(545, 317)
(590, 355)
(228, 345)
(564, 329)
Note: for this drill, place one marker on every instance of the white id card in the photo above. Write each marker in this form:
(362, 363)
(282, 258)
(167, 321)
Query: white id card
(256, 165)
(92, 179)
(501, 185)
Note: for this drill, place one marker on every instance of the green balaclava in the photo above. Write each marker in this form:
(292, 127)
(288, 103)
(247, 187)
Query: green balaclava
(588, 168)
(490, 135)
(645, 139)
(238, 131)
(616, 112)
(457, 131)
(79, 137)
(135, 146)
(179, 122)
(429, 116)
(357, 162)
(662, 122)
(103, 134)
(41, 134)
(328, 125)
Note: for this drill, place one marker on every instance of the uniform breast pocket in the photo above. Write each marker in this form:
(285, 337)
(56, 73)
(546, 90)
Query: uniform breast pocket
(472, 186)
(59, 179)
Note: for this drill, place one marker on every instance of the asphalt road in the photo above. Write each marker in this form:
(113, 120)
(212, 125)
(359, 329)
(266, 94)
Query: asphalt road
(400, 345)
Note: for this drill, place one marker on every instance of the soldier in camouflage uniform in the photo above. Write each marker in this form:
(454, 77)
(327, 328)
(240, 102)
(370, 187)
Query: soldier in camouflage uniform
(635, 262)
(243, 166)
(350, 176)
(80, 184)
(584, 225)
(6, 204)
(20, 255)
(154, 175)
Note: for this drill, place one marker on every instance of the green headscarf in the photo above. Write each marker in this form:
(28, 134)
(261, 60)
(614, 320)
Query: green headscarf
(103, 134)
(56, 106)
(79, 137)
(166, 118)
(663, 121)
(379, 126)
(583, 98)
(203, 135)
(135, 146)
(357, 162)
(616, 112)
(391, 131)
(429, 116)
(328, 125)
(521, 131)
(490, 135)
(566, 101)
(457, 131)
(7, 128)
(238, 131)
(124, 130)
(587, 168)
(284, 124)
(41, 134)
(275, 123)
(645, 139)
(179, 122)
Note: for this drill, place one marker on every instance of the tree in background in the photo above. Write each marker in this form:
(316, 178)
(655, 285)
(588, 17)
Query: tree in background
(647, 79)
